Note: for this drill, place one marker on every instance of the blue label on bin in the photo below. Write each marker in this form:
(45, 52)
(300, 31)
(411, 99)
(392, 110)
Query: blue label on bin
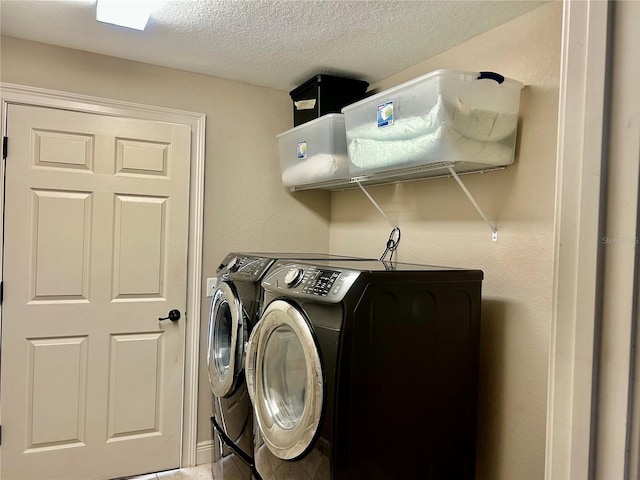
(385, 114)
(301, 150)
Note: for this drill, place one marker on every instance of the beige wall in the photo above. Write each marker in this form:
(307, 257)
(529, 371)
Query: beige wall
(440, 226)
(246, 208)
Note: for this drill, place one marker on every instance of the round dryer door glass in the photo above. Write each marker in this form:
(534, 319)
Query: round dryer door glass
(222, 337)
(284, 377)
(285, 374)
(226, 340)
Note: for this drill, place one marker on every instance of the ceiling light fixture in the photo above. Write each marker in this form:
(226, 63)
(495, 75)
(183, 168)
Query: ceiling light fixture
(126, 13)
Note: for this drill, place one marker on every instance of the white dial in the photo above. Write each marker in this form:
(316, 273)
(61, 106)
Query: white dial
(233, 264)
(293, 277)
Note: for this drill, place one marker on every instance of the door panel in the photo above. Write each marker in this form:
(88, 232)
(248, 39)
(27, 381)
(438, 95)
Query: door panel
(57, 380)
(140, 247)
(96, 228)
(58, 150)
(135, 157)
(134, 389)
(60, 257)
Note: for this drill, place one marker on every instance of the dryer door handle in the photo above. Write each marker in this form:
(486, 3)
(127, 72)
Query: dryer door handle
(250, 362)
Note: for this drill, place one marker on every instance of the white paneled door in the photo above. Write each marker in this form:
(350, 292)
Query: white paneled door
(95, 252)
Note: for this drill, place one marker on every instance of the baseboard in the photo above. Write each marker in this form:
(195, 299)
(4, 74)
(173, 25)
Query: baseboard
(204, 452)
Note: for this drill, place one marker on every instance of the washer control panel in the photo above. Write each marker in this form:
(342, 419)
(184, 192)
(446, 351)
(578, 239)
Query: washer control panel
(308, 281)
(247, 268)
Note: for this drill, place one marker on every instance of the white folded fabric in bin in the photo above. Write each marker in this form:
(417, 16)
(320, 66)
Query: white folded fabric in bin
(469, 119)
(446, 133)
(317, 168)
(404, 128)
(482, 125)
(444, 144)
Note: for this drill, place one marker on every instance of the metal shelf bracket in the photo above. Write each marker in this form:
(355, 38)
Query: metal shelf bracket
(394, 236)
(494, 230)
(375, 204)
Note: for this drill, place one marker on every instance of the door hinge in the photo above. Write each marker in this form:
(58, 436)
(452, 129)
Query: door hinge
(5, 142)
(1, 298)
(0, 434)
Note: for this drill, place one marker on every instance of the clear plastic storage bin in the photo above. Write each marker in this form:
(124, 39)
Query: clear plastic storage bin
(468, 118)
(314, 152)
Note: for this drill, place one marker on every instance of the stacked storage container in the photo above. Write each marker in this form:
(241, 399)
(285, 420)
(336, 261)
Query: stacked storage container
(324, 94)
(315, 150)
(446, 118)
(467, 118)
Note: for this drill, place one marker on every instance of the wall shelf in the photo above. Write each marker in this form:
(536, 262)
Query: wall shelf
(424, 172)
(469, 117)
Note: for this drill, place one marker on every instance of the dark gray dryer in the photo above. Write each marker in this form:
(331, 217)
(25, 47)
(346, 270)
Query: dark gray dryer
(365, 371)
(234, 310)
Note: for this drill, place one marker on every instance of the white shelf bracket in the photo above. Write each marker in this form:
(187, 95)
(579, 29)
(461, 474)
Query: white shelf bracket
(376, 205)
(394, 236)
(494, 230)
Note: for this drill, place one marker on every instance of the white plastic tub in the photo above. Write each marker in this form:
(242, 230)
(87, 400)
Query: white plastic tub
(469, 118)
(314, 152)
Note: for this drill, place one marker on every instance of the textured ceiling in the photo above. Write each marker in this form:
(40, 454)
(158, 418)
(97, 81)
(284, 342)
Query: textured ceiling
(273, 43)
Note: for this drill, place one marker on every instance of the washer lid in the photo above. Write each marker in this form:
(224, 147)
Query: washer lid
(285, 380)
(225, 346)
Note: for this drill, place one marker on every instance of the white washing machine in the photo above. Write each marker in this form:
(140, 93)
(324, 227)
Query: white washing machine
(365, 371)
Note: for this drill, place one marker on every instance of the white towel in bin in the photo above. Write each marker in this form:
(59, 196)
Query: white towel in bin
(482, 125)
(315, 169)
(403, 128)
(444, 144)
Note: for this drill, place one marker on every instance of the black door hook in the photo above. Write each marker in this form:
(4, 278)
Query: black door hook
(174, 315)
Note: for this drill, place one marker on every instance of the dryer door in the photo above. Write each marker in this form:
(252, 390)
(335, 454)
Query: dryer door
(285, 379)
(225, 349)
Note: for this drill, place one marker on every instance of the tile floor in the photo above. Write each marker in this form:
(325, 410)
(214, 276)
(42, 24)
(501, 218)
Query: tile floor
(201, 472)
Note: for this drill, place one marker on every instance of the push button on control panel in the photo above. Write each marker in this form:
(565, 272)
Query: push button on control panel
(247, 268)
(321, 283)
(310, 281)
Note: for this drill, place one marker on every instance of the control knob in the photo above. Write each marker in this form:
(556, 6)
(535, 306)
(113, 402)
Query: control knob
(293, 277)
(233, 264)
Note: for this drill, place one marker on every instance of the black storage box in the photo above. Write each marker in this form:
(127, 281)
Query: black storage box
(324, 94)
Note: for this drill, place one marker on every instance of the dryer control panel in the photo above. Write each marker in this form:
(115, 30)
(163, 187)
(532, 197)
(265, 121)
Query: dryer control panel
(308, 281)
(245, 267)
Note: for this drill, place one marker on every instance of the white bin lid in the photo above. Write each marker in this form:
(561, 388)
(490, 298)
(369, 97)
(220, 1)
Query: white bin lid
(461, 75)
